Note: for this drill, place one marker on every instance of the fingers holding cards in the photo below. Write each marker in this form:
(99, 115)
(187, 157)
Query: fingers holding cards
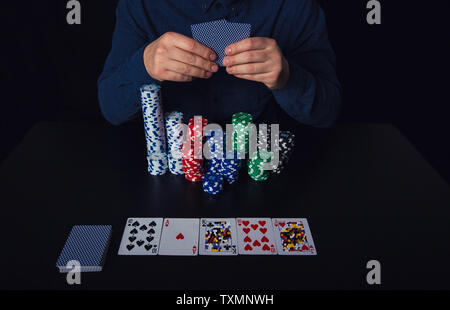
(218, 34)
(293, 237)
(255, 236)
(218, 236)
(141, 236)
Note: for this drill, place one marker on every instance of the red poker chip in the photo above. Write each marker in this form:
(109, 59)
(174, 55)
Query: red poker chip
(193, 167)
(196, 128)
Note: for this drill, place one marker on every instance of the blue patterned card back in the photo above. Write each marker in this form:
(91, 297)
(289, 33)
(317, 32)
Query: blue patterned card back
(218, 34)
(88, 245)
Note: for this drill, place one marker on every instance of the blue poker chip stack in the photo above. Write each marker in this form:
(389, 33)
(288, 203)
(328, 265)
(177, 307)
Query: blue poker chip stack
(212, 183)
(215, 145)
(230, 166)
(174, 121)
(214, 166)
(222, 165)
(155, 137)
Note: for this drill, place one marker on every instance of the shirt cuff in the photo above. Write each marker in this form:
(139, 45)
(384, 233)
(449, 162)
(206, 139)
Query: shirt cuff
(297, 97)
(134, 70)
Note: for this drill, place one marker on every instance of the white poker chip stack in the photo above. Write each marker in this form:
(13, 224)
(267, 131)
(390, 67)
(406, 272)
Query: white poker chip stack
(174, 121)
(157, 163)
(154, 129)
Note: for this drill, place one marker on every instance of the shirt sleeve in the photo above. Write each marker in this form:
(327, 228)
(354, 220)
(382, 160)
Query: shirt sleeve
(124, 71)
(312, 94)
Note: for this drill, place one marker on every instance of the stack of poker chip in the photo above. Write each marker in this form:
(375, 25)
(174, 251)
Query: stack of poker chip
(174, 127)
(154, 129)
(221, 167)
(241, 122)
(264, 138)
(230, 167)
(226, 164)
(192, 161)
(157, 163)
(212, 183)
(215, 145)
(256, 165)
(286, 146)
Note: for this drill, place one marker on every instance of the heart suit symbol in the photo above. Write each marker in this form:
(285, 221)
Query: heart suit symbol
(256, 243)
(180, 236)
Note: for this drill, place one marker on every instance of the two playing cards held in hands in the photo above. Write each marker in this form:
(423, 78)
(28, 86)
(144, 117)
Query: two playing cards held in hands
(218, 34)
(217, 236)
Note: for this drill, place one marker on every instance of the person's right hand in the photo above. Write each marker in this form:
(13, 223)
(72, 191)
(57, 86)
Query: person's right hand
(175, 57)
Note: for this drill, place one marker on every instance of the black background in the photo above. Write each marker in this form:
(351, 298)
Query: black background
(395, 73)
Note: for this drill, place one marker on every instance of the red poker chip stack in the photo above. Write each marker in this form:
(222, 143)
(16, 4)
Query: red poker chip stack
(193, 165)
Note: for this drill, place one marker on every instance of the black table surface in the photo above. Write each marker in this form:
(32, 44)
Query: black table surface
(367, 194)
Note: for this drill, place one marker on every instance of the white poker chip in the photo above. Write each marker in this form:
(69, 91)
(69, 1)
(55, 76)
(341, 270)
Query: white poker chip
(154, 129)
(174, 130)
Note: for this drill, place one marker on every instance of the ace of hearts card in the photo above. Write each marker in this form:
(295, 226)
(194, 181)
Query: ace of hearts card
(218, 236)
(255, 236)
(179, 237)
(293, 237)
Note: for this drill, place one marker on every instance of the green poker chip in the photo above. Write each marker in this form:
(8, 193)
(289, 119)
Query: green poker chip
(256, 165)
(241, 122)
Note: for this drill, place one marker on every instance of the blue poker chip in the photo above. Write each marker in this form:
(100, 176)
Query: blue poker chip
(212, 183)
(225, 164)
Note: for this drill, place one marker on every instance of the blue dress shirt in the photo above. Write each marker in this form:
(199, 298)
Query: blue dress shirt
(311, 95)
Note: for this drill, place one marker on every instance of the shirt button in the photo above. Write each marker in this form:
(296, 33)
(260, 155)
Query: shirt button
(204, 5)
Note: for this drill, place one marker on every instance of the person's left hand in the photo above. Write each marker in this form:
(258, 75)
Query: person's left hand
(258, 59)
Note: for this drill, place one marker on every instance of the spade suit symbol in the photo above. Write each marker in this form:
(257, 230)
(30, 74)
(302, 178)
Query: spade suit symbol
(136, 224)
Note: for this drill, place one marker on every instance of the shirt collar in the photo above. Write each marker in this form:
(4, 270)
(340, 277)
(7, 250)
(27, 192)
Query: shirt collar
(208, 3)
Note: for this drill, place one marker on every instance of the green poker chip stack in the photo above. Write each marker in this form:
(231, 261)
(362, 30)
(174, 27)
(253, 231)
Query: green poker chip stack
(241, 122)
(256, 164)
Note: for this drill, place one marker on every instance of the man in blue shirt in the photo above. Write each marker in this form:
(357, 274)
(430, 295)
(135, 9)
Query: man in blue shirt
(285, 73)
